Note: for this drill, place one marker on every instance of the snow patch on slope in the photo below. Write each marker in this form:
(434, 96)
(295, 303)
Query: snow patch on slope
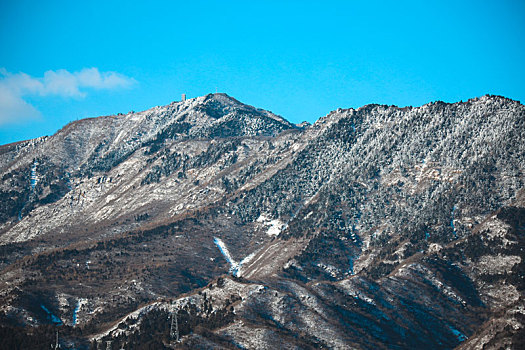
(275, 226)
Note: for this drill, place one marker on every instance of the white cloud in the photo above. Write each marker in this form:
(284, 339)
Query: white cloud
(13, 108)
(13, 88)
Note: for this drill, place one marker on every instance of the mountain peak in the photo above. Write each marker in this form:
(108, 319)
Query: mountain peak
(222, 110)
(223, 97)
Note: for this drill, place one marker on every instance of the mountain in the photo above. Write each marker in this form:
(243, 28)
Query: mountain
(377, 227)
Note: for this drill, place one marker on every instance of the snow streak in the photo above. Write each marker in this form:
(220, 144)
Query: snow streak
(235, 267)
(52, 316)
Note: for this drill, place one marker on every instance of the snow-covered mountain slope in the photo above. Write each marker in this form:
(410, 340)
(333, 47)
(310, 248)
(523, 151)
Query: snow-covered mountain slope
(378, 227)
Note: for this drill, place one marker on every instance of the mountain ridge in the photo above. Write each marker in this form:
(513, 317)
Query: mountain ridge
(470, 100)
(368, 213)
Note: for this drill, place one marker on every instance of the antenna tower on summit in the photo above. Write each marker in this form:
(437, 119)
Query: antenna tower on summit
(183, 98)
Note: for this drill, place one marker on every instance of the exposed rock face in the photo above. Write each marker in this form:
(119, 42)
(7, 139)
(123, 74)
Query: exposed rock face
(380, 227)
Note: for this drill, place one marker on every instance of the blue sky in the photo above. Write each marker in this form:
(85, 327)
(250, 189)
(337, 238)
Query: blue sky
(66, 60)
